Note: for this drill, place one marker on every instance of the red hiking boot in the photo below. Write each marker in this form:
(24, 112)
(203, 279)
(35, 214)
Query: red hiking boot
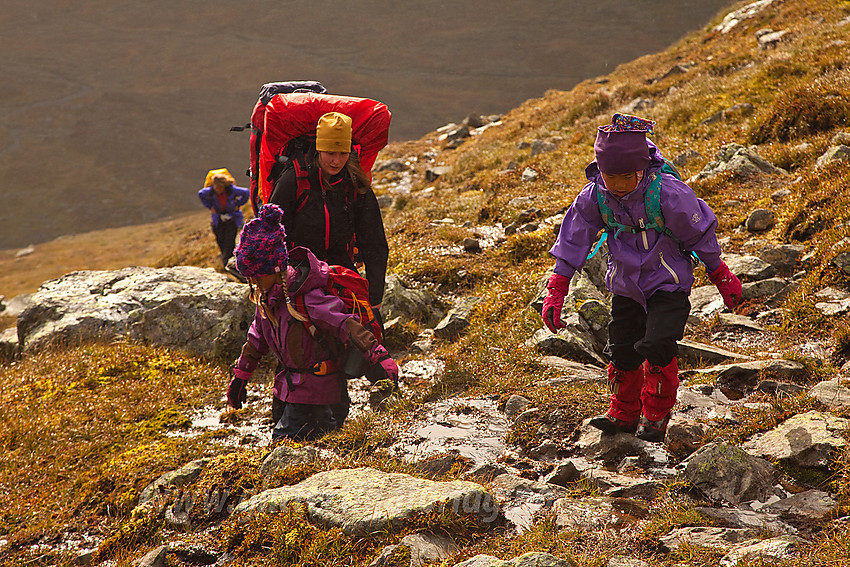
(657, 397)
(624, 409)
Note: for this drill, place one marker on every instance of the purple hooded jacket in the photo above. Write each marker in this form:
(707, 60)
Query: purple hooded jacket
(639, 264)
(292, 344)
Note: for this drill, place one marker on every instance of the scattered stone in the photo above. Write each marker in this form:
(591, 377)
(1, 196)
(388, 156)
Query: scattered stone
(164, 485)
(831, 393)
(740, 160)
(396, 164)
(529, 175)
(574, 371)
(475, 121)
(637, 106)
(153, 558)
(532, 559)
(522, 499)
(835, 153)
(596, 513)
(732, 19)
(771, 40)
(541, 147)
(776, 388)
(10, 349)
(755, 520)
(408, 303)
(739, 380)
(726, 473)
(565, 344)
(760, 220)
(780, 194)
(767, 551)
(807, 440)
(842, 262)
(456, 321)
(283, 457)
(811, 505)
(25, 251)
(471, 245)
(516, 405)
(763, 288)
(750, 268)
(564, 474)
(364, 501)
(686, 157)
(435, 172)
(623, 561)
(699, 353)
(719, 538)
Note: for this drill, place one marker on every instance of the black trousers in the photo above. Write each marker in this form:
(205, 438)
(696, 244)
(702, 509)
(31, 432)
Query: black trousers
(225, 237)
(635, 335)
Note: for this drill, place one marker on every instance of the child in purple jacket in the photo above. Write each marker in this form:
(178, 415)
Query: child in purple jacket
(309, 382)
(650, 273)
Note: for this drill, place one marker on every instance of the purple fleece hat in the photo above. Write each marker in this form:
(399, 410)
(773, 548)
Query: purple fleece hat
(620, 147)
(262, 245)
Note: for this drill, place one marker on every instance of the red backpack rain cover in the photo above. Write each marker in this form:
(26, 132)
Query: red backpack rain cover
(288, 116)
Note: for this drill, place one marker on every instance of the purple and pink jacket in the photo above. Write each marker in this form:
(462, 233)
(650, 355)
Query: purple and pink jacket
(293, 345)
(641, 263)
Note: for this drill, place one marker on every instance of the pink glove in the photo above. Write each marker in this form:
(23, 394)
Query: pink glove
(382, 366)
(727, 284)
(558, 287)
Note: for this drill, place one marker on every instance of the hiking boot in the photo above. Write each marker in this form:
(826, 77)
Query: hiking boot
(608, 424)
(652, 431)
(230, 268)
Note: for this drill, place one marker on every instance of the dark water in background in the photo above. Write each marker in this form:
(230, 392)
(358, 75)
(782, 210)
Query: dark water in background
(112, 111)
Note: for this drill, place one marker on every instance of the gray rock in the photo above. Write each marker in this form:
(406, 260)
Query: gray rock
(842, 262)
(541, 147)
(564, 474)
(17, 305)
(763, 288)
(565, 344)
(725, 473)
(810, 505)
(638, 105)
(686, 157)
(835, 153)
(840, 138)
(164, 485)
(188, 308)
(529, 175)
(9, 346)
(699, 353)
(831, 393)
(408, 303)
(742, 379)
(622, 485)
(435, 172)
(760, 220)
(759, 521)
(475, 121)
(516, 405)
(456, 320)
(807, 440)
(153, 558)
(364, 501)
(750, 268)
(719, 538)
(523, 499)
(780, 194)
(771, 40)
(471, 245)
(622, 561)
(740, 160)
(532, 559)
(574, 371)
(777, 388)
(283, 457)
(424, 549)
(767, 551)
(592, 514)
(397, 165)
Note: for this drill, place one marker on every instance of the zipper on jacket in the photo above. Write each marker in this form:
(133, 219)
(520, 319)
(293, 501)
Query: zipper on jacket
(327, 214)
(669, 269)
(643, 234)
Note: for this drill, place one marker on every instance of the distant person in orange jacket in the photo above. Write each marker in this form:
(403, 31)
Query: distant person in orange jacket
(224, 200)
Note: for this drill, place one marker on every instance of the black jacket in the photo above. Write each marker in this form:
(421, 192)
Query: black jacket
(351, 216)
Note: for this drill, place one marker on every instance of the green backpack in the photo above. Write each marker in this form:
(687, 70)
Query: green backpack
(652, 202)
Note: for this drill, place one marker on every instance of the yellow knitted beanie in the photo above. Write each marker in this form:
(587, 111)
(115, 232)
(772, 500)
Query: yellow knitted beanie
(333, 133)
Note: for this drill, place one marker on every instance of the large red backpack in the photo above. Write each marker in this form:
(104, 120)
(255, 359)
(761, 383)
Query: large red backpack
(257, 126)
(289, 120)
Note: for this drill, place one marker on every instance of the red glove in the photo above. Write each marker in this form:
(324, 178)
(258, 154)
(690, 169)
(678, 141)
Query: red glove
(727, 284)
(382, 366)
(558, 287)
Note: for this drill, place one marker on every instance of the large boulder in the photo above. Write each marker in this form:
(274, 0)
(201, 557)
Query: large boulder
(808, 440)
(366, 501)
(725, 473)
(193, 309)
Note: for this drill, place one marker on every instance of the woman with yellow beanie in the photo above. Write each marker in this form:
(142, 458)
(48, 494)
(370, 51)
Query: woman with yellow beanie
(329, 207)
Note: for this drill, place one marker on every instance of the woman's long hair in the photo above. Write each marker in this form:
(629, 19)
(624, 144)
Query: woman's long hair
(362, 183)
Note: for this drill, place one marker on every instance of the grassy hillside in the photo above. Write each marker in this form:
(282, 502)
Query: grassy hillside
(98, 438)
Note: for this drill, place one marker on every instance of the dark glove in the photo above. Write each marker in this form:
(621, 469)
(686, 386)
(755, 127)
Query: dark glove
(237, 392)
(727, 284)
(558, 287)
